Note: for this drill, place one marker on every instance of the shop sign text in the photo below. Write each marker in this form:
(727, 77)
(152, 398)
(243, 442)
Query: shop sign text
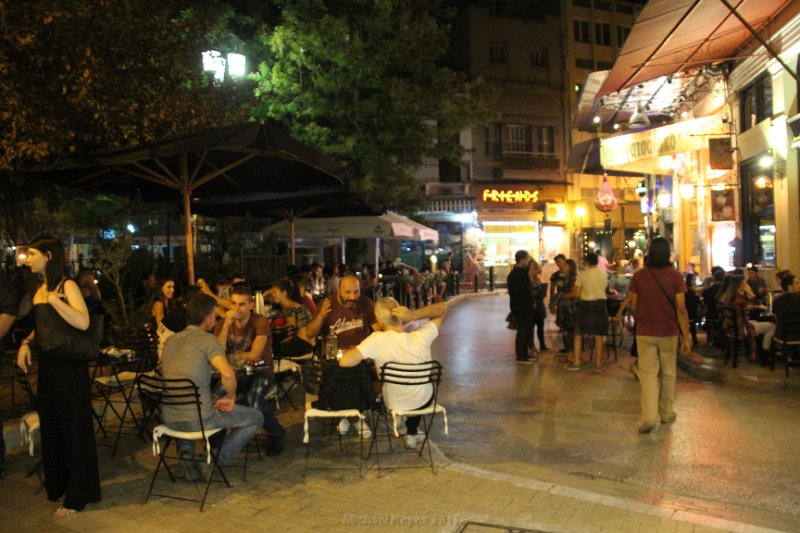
(510, 196)
(666, 140)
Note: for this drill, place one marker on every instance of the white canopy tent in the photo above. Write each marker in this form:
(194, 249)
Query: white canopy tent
(389, 225)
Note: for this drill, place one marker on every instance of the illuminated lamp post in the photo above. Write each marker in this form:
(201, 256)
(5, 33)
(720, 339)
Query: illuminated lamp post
(233, 64)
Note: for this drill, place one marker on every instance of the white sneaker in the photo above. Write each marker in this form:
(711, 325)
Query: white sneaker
(401, 425)
(363, 428)
(412, 441)
(344, 426)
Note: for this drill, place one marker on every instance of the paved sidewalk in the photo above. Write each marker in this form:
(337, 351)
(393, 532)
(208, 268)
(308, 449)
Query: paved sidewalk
(505, 491)
(277, 498)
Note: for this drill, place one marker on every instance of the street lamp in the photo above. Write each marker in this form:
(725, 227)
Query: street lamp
(234, 64)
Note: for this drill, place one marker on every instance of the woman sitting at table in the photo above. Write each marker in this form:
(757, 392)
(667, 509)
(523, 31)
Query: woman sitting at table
(303, 284)
(285, 294)
(164, 300)
(738, 296)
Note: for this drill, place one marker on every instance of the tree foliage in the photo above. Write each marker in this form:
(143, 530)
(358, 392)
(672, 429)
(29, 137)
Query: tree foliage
(363, 81)
(80, 74)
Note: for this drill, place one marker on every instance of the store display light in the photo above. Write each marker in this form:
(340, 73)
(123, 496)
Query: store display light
(664, 199)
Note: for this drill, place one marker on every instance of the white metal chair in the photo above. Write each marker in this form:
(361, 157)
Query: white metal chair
(415, 375)
(343, 393)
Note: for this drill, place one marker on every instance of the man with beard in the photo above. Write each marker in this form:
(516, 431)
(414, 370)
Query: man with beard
(351, 316)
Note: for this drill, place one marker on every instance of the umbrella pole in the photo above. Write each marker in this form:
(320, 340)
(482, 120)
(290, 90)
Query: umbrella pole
(291, 240)
(187, 215)
(377, 253)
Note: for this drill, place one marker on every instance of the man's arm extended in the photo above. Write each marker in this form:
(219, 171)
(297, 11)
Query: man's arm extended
(436, 313)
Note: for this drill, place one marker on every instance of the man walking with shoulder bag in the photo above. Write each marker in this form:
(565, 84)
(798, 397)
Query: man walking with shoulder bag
(660, 317)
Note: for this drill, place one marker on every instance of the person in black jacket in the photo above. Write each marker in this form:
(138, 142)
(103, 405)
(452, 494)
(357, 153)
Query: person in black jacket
(521, 301)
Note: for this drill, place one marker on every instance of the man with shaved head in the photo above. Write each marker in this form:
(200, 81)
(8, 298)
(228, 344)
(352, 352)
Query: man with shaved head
(352, 317)
(390, 343)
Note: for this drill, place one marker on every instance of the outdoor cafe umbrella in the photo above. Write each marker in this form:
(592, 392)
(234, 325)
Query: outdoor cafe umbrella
(386, 226)
(389, 225)
(292, 206)
(243, 159)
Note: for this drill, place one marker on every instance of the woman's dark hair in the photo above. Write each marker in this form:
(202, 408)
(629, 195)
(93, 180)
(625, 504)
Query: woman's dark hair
(56, 268)
(286, 285)
(658, 253)
(787, 281)
(158, 294)
(730, 294)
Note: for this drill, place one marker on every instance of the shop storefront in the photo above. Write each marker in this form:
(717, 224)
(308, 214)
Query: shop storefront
(515, 217)
(691, 188)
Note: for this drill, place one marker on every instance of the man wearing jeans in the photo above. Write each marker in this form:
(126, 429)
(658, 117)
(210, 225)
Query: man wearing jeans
(191, 354)
(660, 314)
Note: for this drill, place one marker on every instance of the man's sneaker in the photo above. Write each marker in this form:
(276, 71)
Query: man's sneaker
(572, 367)
(669, 419)
(526, 361)
(191, 470)
(344, 426)
(412, 441)
(364, 430)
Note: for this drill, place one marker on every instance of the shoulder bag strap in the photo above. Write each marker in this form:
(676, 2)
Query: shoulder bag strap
(660, 286)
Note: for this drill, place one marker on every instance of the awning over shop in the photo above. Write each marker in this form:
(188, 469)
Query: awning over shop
(584, 158)
(671, 36)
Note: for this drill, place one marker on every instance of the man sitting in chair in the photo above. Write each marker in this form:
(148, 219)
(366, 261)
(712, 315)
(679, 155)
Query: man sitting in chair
(247, 335)
(191, 354)
(390, 343)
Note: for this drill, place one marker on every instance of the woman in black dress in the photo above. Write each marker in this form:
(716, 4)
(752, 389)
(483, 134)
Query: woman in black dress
(69, 452)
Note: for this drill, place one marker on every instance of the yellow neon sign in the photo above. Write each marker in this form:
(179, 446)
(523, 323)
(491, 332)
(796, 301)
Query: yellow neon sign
(510, 197)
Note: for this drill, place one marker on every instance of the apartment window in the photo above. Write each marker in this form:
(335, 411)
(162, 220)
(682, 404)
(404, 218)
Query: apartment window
(580, 3)
(605, 65)
(581, 30)
(755, 102)
(622, 35)
(602, 33)
(544, 140)
(539, 56)
(518, 139)
(584, 63)
(602, 6)
(498, 52)
(492, 139)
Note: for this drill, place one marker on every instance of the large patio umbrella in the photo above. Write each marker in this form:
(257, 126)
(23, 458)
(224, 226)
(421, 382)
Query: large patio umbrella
(241, 160)
(386, 226)
(389, 225)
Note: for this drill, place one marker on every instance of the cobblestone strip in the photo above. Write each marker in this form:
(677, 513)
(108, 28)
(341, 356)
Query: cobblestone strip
(669, 512)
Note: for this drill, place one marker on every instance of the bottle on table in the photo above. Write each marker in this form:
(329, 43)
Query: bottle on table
(331, 345)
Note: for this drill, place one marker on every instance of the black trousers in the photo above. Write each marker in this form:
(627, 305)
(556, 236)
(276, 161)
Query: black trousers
(524, 335)
(538, 325)
(412, 422)
(69, 452)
